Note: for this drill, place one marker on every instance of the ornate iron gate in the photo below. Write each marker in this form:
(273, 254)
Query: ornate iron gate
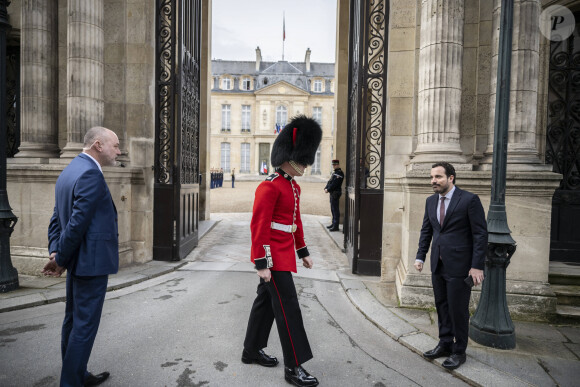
(176, 188)
(563, 145)
(366, 135)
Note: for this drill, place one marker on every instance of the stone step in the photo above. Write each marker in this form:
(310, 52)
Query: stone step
(563, 279)
(567, 294)
(564, 274)
(568, 314)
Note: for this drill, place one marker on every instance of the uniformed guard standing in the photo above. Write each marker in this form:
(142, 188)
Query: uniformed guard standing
(334, 189)
(277, 237)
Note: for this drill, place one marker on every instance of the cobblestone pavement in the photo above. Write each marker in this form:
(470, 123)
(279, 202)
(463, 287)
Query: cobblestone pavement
(229, 241)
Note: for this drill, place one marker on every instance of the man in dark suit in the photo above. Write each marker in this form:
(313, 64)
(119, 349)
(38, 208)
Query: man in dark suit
(455, 223)
(334, 188)
(83, 239)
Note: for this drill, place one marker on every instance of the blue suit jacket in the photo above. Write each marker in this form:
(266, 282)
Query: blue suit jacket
(462, 241)
(83, 229)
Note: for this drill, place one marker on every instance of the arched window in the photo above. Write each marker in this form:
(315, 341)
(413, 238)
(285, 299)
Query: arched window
(226, 83)
(245, 158)
(226, 110)
(318, 86)
(281, 115)
(316, 165)
(317, 114)
(246, 83)
(246, 115)
(225, 156)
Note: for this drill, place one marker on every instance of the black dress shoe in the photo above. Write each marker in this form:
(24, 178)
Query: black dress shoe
(260, 358)
(454, 361)
(95, 380)
(331, 226)
(438, 351)
(299, 377)
(334, 229)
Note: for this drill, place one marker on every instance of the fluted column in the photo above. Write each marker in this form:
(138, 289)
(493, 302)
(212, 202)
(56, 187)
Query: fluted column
(522, 149)
(440, 75)
(39, 79)
(85, 71)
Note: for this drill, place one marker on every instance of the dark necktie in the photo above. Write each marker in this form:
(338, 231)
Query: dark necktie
(442, 211)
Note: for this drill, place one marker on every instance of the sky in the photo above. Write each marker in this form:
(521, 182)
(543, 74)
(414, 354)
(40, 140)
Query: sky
(239, 26)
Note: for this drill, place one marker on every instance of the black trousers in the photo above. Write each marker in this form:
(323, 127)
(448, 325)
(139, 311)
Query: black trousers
(452, 296)
(335, 210)
(278, 300)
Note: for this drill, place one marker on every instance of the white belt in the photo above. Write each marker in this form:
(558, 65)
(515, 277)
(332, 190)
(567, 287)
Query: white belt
(289, 228)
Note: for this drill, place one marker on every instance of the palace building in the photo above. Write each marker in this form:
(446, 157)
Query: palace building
(252, 101)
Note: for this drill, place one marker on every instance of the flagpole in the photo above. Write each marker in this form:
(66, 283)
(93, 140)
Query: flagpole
(283, 33)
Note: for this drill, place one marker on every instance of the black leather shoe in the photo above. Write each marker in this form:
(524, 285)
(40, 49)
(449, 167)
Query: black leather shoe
(299, 377)
(95, 380)
(334, 229)
(260, 358)
(330, 226)
(454, 361)
(438, 351)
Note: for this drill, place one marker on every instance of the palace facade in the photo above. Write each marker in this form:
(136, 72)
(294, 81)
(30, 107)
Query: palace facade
(252, 101)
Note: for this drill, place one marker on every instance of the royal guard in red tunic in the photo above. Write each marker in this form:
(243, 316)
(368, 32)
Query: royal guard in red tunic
(277, 239)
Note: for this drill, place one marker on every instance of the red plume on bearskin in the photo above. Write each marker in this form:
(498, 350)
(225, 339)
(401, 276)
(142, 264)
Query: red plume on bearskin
(298, 141)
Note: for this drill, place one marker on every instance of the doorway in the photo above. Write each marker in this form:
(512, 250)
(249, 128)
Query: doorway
(264, 158)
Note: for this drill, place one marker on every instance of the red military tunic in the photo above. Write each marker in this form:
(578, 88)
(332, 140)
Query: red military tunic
(277, 200)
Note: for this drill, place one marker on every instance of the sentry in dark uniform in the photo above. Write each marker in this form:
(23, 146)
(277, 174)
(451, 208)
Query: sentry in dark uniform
(334, 189)
(277, 237)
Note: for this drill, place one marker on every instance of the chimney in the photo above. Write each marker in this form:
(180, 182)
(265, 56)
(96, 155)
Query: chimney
(258, 58)
(307, 60)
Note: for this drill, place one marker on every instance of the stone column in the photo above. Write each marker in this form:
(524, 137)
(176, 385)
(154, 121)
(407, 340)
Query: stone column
(522, 151)
(39, 80)
(440, 76)
(85, 71)
(205, 110)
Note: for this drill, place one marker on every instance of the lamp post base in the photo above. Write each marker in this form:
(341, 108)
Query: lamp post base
(9, 284)
(494, 340)
(491, 324)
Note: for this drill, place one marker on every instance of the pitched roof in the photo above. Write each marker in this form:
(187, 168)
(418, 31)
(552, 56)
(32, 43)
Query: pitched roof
(282, 67)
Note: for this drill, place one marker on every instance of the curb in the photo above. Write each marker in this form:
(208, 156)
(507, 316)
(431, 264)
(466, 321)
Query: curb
(472, 372)
(331, 236)
(59, 295)
(147, 271)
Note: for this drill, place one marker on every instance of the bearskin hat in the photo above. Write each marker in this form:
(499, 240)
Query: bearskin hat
(298, 141)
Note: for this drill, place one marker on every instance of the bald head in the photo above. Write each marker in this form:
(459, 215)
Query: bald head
(93, 134)
(102, 144)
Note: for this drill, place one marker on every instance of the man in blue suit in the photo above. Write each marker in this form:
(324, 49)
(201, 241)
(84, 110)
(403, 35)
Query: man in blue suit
(83, 239)
(455, 223)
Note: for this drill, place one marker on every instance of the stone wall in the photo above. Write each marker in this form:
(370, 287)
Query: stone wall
(31, 195)
(103, 60)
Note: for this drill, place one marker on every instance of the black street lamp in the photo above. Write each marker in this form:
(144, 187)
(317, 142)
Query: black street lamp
(8, 274)
(491, 325)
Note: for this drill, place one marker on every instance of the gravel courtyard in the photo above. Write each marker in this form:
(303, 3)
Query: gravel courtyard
(314, 200)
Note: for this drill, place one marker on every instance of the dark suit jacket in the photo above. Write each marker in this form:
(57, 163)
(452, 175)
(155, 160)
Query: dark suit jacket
(83, 228)
(462, 241)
